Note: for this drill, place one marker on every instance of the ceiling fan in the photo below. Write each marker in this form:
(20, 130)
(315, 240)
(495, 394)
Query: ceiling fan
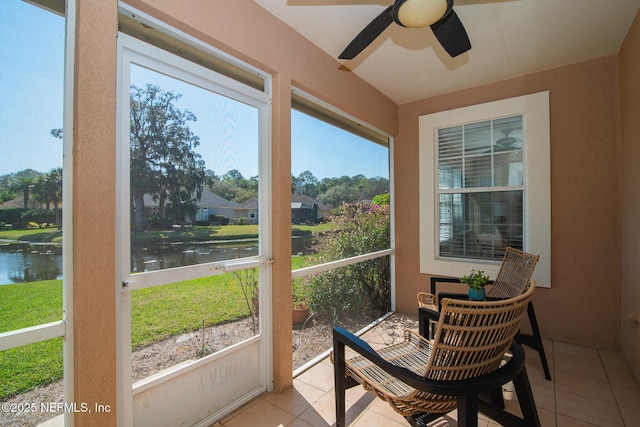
(438, 14)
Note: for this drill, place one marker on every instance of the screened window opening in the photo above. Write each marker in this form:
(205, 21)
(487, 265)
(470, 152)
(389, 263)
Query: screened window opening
(341, 225)
(480, 188)
(194, 174)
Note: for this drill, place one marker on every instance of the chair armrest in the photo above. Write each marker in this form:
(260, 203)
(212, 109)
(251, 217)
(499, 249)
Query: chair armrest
(342, 338)
(426, 299)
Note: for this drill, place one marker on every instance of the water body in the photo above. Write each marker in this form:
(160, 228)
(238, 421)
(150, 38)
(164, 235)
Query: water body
(24, 262)
(162, 256)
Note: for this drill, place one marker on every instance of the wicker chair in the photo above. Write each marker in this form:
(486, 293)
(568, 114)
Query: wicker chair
(425, 379)
(512, 279)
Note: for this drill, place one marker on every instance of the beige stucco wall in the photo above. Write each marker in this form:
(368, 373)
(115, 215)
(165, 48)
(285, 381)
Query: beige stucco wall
(583, 304)
(94, 282)
(630, 107)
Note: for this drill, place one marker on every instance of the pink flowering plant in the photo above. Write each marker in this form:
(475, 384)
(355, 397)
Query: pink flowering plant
(360, 228)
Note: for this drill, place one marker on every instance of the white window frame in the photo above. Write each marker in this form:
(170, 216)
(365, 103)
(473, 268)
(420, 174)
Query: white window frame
(137, 52)
(534, 109)
(127, 47)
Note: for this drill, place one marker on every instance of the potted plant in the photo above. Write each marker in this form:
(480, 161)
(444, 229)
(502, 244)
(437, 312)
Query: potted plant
(300, 306)
(476, 281)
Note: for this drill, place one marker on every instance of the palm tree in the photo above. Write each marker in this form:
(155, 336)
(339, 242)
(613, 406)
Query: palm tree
(51, 191)
(23, 184)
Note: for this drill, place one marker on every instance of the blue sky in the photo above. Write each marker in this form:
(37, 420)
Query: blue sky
(31, 72)
(330, 152)
(31, 75)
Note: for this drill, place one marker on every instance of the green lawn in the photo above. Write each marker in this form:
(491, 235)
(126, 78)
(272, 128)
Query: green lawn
(163, 311)
(40, 235)
(23, 305)
(29, 304)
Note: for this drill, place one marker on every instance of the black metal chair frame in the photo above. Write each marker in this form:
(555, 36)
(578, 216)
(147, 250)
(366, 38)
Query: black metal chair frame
(533, 340)
(468, 392)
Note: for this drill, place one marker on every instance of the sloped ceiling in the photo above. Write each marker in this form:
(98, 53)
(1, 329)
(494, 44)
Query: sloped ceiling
(509, 38)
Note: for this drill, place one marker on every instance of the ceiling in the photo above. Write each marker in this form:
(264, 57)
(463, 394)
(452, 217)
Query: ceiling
(509, 38)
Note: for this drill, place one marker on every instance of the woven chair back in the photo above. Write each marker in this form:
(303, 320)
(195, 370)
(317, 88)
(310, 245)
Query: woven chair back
(473, 336)
(514, 275)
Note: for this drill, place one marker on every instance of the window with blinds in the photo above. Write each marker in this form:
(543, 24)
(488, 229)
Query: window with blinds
(480, 189)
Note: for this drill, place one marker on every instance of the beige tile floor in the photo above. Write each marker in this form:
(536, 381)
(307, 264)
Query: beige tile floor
(590, 388)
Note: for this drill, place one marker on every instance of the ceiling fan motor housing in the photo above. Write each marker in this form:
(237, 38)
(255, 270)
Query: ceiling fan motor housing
(420, 13)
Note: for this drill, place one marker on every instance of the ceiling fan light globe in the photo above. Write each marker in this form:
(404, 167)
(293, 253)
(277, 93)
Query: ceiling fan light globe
(421, 13)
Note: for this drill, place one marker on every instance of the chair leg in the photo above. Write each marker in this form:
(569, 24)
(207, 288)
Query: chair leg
(496, 398)
(340, 382)
(525, 398)
(535, 340)
(468, 410)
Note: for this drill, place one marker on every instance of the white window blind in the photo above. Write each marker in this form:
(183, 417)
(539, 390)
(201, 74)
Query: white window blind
(480, 188)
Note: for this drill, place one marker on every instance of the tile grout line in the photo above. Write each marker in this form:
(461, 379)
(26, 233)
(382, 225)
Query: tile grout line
(615, 399)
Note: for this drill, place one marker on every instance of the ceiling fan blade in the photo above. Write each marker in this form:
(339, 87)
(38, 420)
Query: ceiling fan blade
(368, 34)
(451, 34)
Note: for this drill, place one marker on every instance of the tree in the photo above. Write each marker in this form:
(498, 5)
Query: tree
(47, 191)
(309, 184)
(233, 186)
(24, 183)
(234, 175)
(163, 161)
(48, 188)
(6, 195)
(339, 194)
(57, 133)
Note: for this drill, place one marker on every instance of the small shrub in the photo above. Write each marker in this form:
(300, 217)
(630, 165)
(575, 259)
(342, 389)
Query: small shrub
(157, 222)
(14, 217)
(39, 218)
(360, 228)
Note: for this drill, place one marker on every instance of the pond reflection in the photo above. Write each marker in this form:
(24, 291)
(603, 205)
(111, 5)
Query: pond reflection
(24, 262)
(161, 256)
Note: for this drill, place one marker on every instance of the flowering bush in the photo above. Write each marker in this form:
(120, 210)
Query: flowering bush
(360, 228)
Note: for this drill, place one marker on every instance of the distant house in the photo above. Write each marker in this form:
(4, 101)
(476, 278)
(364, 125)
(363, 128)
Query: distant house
(249, 209)
(211, 205)
(216, 209)
(18, 202)
(213, 208)
(305, 209)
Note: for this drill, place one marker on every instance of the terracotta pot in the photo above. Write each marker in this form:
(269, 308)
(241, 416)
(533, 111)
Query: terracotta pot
(299, 315)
